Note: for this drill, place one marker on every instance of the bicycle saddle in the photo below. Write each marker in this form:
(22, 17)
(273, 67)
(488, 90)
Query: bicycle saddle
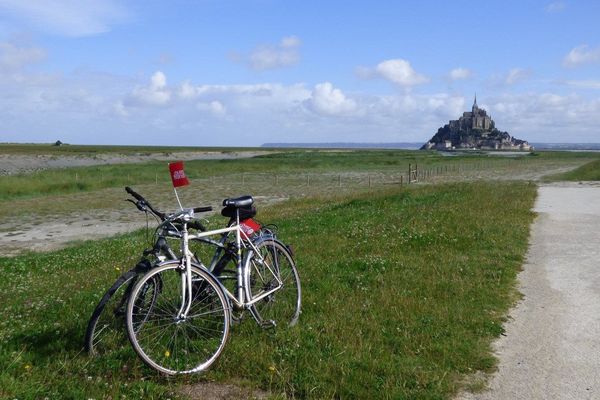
(238, 202)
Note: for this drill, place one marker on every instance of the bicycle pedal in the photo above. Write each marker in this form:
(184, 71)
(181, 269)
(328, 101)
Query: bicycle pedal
(268, 324)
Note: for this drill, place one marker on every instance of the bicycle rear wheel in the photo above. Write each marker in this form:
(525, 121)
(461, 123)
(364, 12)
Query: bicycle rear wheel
(106, 328)
(170, 344)
(283, 306)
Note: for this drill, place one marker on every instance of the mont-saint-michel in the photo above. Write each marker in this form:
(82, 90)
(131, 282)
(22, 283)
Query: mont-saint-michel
(474, 130)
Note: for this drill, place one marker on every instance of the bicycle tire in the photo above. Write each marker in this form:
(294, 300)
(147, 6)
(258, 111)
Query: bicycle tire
(167, 343)
(106, 327)
(283, 307)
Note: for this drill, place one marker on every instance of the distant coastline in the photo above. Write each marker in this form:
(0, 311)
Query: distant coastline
(417, 145)
(347, 145)
(566, 146)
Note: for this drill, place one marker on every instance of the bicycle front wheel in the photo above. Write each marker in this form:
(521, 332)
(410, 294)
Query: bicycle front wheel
(164, 340)
(272, 263)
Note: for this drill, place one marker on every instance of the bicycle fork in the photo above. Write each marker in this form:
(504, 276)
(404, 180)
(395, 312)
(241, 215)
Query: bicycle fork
(186, 278)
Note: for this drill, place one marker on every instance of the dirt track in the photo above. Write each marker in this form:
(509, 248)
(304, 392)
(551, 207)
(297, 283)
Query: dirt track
(49, 226)
(22, 163)
(552, 345)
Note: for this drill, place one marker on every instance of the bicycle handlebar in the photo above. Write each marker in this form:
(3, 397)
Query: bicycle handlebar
(145, 202)
(142, 202)
(134, 194)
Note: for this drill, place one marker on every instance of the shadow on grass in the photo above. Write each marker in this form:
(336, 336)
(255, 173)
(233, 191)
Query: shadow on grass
(51, 342)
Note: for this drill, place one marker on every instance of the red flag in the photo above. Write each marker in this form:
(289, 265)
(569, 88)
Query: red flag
(248, 227)
(177, 174)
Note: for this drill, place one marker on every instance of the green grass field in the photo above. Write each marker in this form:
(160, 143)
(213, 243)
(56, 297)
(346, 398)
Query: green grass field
(404, 288)
(587, 172)
(403, 292)
(290, 165)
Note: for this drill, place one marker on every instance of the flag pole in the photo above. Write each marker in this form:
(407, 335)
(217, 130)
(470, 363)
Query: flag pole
(177, 197)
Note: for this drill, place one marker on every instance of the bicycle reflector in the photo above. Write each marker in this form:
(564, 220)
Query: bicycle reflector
(177, 174)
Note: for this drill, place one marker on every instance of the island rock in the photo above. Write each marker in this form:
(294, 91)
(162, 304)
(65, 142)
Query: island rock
(474, 130)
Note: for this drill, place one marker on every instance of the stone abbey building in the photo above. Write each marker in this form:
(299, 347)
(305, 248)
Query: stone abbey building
(474, 130)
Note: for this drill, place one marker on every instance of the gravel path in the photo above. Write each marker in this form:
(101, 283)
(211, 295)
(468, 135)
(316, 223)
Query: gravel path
(552, 345)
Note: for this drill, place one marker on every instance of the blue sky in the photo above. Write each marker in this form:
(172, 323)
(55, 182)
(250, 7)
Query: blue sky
(210, 73)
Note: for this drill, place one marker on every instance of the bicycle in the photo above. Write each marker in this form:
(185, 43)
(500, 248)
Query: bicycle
(105, 331)
(178, 314)
(105, 328)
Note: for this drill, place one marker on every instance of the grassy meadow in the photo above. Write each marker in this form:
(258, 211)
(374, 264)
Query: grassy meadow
(403, 292)
(290, 167)
(587, 172)
(404, 287)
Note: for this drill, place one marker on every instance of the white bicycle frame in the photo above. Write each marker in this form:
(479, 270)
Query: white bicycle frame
(244, 298)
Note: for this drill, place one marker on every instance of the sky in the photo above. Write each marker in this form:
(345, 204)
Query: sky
(243, 73)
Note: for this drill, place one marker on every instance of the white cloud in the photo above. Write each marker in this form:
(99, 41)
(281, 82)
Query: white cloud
(260, 93)
(99, 107)
(510, 78)
(187, 91)
(120, 109)
(460, 74)
(516, 75)
(547, 117)
(327, 100)
(158, 81)
(66, 17)
(214, 107)
(284, 54)
(401, 72)
(555, 6)
(582, 54)
(419, 112)
(290, 42)
(398, 71)
(14, 57)
(157, 93)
